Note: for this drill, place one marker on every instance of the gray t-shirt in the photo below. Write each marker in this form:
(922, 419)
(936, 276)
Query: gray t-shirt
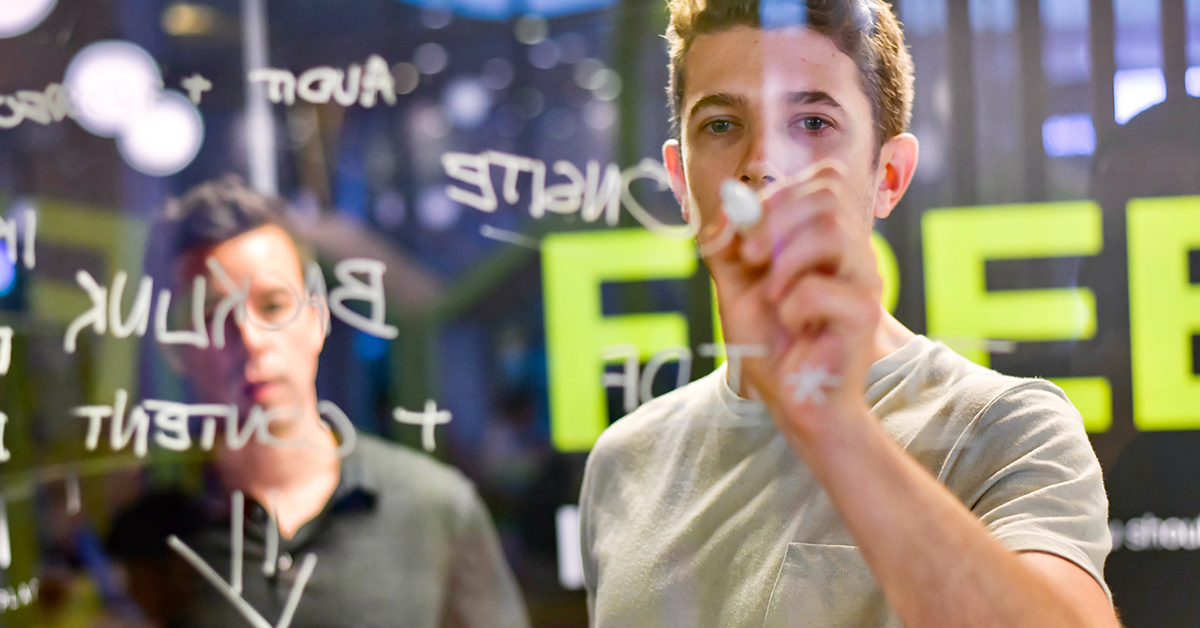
(695, 512)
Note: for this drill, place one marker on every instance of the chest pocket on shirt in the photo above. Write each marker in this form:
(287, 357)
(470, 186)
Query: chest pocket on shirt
(827, 586)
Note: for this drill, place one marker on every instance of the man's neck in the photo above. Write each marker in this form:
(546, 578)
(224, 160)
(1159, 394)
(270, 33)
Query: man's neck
(890, 336)
(296, 481)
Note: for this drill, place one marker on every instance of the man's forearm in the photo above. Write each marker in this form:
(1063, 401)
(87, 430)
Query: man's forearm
(932, 557)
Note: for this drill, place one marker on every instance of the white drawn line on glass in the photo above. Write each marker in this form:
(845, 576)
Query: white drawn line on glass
(511, 237)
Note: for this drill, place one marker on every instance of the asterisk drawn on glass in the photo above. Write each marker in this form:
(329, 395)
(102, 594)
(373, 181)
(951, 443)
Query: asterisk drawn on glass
(811, 383)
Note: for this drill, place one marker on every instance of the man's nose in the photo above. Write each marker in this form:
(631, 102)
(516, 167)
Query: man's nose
(757, 182)
(759, 167)
(245, 334)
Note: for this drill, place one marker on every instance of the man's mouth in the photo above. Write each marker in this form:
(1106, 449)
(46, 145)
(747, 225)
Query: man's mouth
(258, 392)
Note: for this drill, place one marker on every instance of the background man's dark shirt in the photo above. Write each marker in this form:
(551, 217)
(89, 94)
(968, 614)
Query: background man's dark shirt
(404, 541)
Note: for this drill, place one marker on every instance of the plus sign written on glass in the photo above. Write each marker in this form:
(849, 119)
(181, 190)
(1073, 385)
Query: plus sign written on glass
(429, 419)
(195, 86)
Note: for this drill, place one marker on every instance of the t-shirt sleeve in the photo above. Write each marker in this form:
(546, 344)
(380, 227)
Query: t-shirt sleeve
(483, 592)
(1027, 470)
(586, 535)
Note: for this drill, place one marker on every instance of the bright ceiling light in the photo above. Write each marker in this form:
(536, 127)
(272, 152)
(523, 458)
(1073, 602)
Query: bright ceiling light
(1069, 135)
(1135, 91)
(112, 83)
(18, 17)
(468, 102)
(165, 138)
(181, 19)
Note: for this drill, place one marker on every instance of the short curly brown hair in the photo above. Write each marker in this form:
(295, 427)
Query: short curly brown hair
(865, 30)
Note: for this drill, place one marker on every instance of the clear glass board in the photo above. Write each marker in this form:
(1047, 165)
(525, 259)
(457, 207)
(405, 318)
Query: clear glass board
(456, 245)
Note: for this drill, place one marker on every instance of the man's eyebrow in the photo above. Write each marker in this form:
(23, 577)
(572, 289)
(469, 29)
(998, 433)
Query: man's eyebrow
(815, 97)
(722, 99)
(276, 291)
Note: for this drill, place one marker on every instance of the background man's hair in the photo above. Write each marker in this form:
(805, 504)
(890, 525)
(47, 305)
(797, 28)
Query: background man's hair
(865, 30)
(220, 210)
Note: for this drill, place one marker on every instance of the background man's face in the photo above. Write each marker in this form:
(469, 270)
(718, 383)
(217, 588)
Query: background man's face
(761, 105)
(270, 359)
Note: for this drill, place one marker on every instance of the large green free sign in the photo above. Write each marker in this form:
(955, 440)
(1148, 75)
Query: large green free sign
(957, 244)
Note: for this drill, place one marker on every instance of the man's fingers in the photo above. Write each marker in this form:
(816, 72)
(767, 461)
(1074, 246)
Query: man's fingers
(726, 265)
(801, 190)
(828, 167)
(715, 236)
(818, 302)
(824, 178)
(817, 246)
(786, 210)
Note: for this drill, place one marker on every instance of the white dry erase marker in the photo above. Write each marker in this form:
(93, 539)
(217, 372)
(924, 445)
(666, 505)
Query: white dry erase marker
(741, 204)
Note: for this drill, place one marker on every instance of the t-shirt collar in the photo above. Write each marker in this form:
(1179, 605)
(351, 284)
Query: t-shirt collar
(882, 376)
(357, 486)
(887, 373)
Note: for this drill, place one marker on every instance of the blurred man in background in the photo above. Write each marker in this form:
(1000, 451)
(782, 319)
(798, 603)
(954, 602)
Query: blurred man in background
(400, 538)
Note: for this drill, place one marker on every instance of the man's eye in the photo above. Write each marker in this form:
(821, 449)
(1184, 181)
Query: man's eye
(813, 123)
(720, 126)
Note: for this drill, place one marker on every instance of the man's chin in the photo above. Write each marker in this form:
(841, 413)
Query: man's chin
(270, 405)
(270, 396)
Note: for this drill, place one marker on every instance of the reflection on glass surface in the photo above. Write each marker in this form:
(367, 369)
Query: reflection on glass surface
(458, 279)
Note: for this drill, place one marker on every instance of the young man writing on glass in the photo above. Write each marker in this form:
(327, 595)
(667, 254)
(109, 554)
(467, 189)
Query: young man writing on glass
(847, 472)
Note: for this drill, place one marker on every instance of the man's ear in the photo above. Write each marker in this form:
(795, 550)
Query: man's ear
(323, 320)
(673, 160)
(897, 163)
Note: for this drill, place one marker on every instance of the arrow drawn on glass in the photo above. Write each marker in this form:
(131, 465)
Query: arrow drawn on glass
(233, 592)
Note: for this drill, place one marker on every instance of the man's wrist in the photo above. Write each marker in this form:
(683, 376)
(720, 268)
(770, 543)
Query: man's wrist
(843, 429)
